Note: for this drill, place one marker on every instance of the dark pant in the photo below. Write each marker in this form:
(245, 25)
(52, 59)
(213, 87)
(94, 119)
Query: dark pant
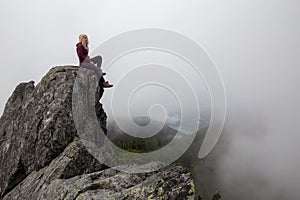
(97, 60)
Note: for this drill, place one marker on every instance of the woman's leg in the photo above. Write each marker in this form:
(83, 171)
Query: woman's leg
(97, 60)
(102, 82)
(90, 66)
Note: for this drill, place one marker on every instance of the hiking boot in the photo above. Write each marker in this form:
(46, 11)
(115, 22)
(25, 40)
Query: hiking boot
(106, 85)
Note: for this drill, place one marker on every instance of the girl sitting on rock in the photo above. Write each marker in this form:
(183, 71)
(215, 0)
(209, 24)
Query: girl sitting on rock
(90, 63)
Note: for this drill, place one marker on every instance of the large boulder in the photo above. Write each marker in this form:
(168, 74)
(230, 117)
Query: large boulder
(37, 125)
(43, 152)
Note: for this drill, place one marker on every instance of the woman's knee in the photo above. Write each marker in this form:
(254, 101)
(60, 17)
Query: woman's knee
(98, 58)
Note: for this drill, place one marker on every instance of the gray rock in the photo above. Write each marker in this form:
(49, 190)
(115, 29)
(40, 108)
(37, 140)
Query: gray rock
(44, 132)
(37, 125)
(172, 182)
(74, 161)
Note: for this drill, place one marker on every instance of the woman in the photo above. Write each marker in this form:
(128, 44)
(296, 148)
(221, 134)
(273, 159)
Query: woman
(90, 63)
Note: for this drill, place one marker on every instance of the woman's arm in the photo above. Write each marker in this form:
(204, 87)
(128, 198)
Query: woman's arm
(81, 52)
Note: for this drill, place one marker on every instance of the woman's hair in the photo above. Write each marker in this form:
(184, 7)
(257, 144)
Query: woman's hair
(84, 43)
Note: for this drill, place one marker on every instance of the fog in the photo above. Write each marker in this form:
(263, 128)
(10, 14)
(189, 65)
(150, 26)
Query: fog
(254, 44)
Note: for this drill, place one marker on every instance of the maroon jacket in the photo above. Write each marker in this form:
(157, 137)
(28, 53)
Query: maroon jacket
(82, 53)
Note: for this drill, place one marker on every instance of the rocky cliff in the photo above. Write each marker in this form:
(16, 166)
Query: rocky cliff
(42, 157)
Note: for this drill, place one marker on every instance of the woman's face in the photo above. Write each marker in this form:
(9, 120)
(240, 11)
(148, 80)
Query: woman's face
(85, 39)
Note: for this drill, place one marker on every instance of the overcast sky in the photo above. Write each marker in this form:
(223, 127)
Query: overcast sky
(255, 45)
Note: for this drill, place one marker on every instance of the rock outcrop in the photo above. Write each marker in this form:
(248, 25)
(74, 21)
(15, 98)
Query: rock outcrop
(42, 157)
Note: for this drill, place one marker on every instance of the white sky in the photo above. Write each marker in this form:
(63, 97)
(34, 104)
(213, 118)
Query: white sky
(255, 44)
